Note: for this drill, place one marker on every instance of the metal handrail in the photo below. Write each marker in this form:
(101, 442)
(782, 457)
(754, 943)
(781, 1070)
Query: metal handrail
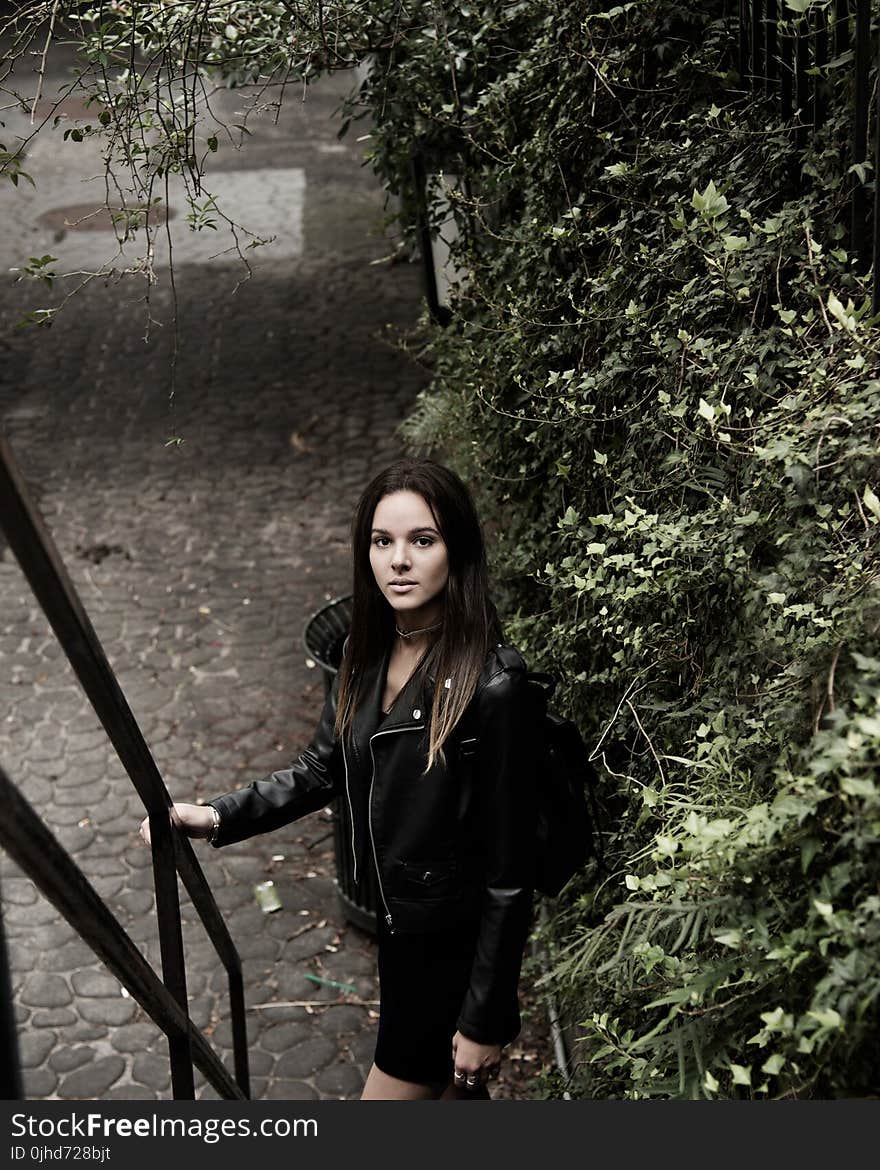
(10, 1068)
(46, 862)
(172, 853)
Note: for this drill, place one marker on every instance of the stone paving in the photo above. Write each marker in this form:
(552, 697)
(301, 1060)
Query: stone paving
(199, 564)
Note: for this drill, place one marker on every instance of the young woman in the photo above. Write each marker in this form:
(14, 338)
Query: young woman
(426, 734)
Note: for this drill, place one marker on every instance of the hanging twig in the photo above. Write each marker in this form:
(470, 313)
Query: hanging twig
(648, 738)
(41, 72)
(816, 279)
(830, 686)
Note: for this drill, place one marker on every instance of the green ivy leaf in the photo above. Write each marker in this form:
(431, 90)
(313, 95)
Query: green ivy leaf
(871, 502)
(709, 203)
(844, 316)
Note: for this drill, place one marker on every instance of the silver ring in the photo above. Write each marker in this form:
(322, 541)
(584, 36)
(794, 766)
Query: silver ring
(471, 1080)
(459, 1076)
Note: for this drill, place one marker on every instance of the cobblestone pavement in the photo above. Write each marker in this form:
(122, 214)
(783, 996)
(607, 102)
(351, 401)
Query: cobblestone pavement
(199, 564)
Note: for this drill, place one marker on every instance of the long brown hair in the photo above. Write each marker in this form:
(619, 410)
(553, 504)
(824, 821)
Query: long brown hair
(470, 622)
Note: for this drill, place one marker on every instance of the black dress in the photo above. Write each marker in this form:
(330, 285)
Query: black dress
(423, 979)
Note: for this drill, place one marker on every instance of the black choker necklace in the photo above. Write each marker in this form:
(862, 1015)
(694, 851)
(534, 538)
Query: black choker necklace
(412, 633)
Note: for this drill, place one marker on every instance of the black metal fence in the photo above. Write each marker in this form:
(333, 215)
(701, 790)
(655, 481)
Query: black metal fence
(795, 59)
(802, 61)
(30, 843)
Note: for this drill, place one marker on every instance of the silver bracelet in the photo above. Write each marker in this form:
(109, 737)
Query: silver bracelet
(215, 828)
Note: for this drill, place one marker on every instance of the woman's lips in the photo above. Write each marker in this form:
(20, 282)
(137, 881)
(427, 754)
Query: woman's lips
(403, 588)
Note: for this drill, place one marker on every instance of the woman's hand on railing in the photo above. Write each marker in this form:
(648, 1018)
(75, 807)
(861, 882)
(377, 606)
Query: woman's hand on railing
(195, 820)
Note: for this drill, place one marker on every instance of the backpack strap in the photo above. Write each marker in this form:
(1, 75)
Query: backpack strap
(466, 726)
(547, 681)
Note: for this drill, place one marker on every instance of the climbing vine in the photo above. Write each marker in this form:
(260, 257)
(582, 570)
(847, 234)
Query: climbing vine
(661, 378)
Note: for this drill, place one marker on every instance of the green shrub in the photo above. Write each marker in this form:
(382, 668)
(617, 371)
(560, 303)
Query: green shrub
(661, 379)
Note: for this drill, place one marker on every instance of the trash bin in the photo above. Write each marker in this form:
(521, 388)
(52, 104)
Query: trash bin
(323, 639)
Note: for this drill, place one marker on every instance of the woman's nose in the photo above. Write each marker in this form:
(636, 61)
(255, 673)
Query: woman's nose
(400, 557)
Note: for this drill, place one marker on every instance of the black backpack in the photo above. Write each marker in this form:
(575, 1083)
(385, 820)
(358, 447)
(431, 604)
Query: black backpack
(568, 830)
(568, 833)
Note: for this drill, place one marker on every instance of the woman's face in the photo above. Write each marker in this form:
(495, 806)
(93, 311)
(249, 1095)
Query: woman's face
(409, 558)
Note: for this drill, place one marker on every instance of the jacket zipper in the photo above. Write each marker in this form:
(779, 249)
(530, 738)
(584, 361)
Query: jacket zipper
(350, 813)
(375, 735)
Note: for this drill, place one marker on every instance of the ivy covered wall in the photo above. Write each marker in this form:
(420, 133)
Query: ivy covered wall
(661, 379)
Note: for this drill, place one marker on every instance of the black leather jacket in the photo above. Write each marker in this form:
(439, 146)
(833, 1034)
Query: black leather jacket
(450, 846)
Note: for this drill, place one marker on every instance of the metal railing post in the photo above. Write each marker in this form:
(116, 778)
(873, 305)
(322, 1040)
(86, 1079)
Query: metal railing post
(861, 101)
(875, 289)
(10, 1070)
(759, 72)
(771, 39)
(820, 81)
(842, 38)
(802, 81)
(171, 948)
(743, 38)
(786, 77)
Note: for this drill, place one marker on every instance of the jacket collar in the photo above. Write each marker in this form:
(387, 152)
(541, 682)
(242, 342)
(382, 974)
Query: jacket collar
(410, 710)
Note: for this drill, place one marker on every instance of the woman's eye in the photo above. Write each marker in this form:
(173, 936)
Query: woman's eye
(419, 541)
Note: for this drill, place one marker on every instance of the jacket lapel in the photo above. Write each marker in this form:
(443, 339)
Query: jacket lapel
(369, 709)
(412, 707)
(411, 710)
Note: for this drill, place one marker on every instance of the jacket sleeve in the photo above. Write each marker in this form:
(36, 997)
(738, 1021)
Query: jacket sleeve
(504, 778)
(308, 784)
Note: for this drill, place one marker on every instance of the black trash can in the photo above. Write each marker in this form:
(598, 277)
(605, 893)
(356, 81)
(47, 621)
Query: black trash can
(323, 638)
